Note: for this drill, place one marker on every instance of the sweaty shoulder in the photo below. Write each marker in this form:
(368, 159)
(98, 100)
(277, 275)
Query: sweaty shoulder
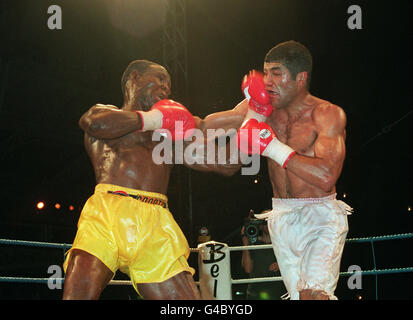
(329, 118)
(86, 119)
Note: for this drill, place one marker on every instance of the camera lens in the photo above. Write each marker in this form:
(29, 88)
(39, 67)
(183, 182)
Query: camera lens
(251, 231)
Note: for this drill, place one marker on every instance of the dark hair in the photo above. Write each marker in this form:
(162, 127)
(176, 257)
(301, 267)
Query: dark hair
(294, 56)
(139, 65)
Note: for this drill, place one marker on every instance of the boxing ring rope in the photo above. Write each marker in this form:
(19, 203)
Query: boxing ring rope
(208, 276)
(63, 246)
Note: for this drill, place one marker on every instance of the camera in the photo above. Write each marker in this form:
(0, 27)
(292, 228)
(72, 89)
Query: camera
(252, 229)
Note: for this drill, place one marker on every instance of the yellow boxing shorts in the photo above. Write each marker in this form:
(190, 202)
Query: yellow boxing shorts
(133, 231)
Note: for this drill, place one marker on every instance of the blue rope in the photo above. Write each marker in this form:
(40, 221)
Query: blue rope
(378, 271)
(68, 246)
(382, 238)
(30, 280)
(36, 244)
(235, 281)
(54, 280)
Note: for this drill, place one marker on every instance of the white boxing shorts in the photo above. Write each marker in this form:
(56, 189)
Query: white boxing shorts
(308, 236)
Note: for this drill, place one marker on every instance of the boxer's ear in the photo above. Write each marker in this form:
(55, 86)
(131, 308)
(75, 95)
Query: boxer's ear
(135, 75)
(301, 78)
(134, 79)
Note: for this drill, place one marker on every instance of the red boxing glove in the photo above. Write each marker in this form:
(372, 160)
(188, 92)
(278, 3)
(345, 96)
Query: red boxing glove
(253, 88)
(258, 137)
(254, 137)
(170, 115)
(176, 118)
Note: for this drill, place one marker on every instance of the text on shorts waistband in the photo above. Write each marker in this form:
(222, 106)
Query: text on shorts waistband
(145, 199)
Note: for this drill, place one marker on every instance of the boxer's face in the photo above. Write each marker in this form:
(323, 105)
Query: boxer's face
(281, 87)
(153, 85)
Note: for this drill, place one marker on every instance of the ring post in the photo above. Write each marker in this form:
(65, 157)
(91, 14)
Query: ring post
(214, 271)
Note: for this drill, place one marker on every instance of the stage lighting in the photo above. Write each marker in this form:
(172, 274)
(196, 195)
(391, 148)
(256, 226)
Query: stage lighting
(40, 205)
(264, 295)
(57, 206)
(71, 208)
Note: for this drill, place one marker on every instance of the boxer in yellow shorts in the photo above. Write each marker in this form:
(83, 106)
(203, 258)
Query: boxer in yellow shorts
(126, 225)
(132, 231)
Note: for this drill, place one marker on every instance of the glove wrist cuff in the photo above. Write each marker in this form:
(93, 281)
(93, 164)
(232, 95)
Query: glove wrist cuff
(151, 120)
(279, 152)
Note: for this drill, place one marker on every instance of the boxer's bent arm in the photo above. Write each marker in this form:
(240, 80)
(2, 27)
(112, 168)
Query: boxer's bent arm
(324, 168)
(109, 122)
(224, 169)
(204, 162)
(229, 119)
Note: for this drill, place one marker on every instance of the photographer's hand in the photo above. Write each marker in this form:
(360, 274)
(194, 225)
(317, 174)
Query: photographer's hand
(274, 267)
(264, 237)
(244, 238)
(246, 260)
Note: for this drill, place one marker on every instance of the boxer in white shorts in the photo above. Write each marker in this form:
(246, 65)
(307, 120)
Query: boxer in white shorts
(303, 138)
(308, 237)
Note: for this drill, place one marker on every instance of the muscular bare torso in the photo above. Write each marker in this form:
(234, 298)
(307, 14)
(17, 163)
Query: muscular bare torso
(300, 133)
(127, 161)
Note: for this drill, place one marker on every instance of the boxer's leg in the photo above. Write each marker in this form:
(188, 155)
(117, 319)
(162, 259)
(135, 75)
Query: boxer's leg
(320, 266)
(282, 234)
(309, 294)
(86, 276)
(179, 287)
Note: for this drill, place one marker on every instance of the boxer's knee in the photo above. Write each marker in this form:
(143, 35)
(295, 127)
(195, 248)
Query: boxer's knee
(86, 276)
(179, 287)
(310, 294)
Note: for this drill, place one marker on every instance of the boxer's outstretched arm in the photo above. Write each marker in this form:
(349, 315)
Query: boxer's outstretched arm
(325, 167)
(109, 122)
(213, 157)
(226, 120)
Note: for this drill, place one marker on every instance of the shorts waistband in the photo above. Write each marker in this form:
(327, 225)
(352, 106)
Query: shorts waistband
(284, 205)
(302, 201)
(140, 195)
